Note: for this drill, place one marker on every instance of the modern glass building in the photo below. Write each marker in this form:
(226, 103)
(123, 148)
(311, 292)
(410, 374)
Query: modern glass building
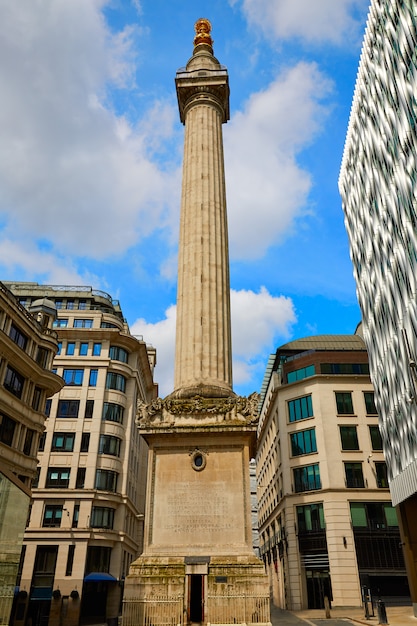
(378, 184)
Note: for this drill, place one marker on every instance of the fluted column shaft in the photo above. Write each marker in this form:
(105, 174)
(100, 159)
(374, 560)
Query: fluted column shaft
(203, 334)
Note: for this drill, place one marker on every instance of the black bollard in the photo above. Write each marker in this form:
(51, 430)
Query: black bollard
(382, 613)
(367, 616)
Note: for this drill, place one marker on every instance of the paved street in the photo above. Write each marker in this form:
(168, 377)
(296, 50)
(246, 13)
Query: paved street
(279, 617)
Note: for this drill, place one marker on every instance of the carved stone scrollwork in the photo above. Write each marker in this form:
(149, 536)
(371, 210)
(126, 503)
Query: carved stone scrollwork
(169, 410)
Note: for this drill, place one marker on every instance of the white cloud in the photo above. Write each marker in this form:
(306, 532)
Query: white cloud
(267, 189)
(161, 335)
(24, 259)
(318, 21)
(258, 321)
(71, 170)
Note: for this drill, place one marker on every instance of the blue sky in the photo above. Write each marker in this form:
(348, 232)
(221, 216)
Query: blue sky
(91, 151)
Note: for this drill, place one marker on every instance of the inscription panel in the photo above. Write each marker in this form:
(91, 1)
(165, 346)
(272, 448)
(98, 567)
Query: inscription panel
(197, 509)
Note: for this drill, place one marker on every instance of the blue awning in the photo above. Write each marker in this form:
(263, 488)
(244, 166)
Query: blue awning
(100, 577)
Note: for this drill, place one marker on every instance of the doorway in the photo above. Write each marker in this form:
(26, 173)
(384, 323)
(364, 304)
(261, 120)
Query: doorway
(196, 598)
(318, 587)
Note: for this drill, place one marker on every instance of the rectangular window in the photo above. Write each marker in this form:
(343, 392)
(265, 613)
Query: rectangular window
(369, 398)
(106, 480)
(96, 349)
(310, 518)
(80, 323)
(7, 428)
(98, 559)
(48, 405)
(304, 372)
(82, 305)
(27, 446)
(73, 377)
(102, 517)
(52, 515)
(70, 305)
(68, 408)
(70, 560)
(63, 442)
(115, 381)
(57, 477)
(85, 442)
(354, 475)
(75, 516)
(58, 304)
(37, 397)
(92, 380)
(376, 438)
(344, 403)
(300, 409)
(109, 445)
(307, 478)
(80, 479)
(18, 337)
(303, 442)
(381, 474)
(59, 348)
(83, 349)
(344, 368)
(42, 357)
(89, 408)
(60, 323)
(113, 412)
(349, 438)
(70, 348)
(14, 382)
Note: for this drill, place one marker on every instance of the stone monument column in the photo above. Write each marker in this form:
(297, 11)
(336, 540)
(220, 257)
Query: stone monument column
(198, 564)
(203, 335)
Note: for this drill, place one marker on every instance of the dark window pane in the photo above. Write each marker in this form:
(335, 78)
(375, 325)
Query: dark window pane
(57, 477)
(89, 408)
(52, 515)
(113, 412)
(73, 377)
(80, 479)
(14, 382)
(354, 475)
(369, 398)
(376, 438)
(303, 442)
(300, 408)
(109, 445)
(7, 428)
(381, 474)
(68, 408)
(85, 442)
(344, 403)
(307, 478)
(18, 337)
(63, 442)
(349, 438)
(115, 381)
(118, 354)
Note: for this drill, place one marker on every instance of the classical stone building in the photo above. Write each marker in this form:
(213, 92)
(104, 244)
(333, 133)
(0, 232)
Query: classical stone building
(198, 563)
(28, 345)
(378, 184)
(327, 524)
(86, 521)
